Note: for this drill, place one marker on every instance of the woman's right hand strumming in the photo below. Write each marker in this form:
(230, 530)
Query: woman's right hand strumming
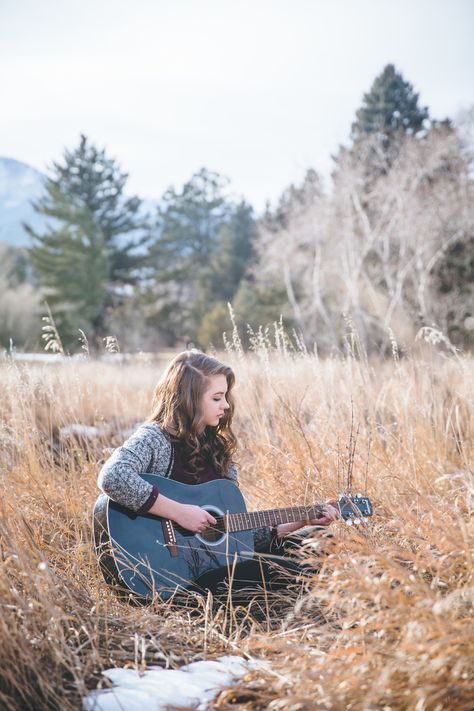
(194, 518)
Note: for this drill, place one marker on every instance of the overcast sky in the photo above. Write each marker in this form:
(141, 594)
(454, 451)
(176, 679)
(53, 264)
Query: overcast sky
(257, 90)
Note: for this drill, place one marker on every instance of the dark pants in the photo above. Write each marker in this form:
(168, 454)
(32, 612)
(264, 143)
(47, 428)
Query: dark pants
(271, 575)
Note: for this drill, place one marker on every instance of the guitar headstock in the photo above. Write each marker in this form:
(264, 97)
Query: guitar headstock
(355, 508)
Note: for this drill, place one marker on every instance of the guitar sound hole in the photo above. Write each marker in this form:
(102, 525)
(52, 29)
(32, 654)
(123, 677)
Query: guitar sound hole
(212, 534)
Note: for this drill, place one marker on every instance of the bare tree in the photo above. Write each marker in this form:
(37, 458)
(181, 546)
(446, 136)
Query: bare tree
(371, 248)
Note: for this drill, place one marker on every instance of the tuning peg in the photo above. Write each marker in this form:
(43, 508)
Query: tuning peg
(359, 495)
(349, 522)
(357, 521)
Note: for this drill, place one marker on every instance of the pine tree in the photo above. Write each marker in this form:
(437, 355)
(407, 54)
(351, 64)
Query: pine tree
(391, 105)
(389, 111)
(390, 115)
(219, 281)
(188, 230)
(91, 247)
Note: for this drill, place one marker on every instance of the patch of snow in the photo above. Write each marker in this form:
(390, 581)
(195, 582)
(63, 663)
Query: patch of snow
(81, 430)
(114, 357)
(122, 289)
(41, 357)
(192, 686)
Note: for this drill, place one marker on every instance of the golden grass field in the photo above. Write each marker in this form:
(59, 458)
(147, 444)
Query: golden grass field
(387, 623)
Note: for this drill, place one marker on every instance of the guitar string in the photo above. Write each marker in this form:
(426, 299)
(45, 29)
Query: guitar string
(269, 517)
(245, 521)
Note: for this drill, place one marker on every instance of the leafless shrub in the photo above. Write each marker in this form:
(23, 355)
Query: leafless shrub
(19, 315)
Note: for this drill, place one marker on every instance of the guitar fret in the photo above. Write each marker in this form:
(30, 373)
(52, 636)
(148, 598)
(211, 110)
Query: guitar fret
(244, 521)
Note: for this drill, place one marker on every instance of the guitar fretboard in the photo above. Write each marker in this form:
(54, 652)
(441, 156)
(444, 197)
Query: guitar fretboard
(271, 517)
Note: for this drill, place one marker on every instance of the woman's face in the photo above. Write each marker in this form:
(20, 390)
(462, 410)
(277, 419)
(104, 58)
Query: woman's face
(213, 403)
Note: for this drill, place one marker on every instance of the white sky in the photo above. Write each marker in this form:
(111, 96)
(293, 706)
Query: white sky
(258, 90)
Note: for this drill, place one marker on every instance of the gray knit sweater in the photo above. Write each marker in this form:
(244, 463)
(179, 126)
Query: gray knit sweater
(149, 451)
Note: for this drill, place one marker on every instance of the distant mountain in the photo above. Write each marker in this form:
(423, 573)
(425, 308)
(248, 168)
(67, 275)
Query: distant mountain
(19, 184)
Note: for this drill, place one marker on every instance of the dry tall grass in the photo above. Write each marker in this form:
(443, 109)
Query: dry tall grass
(388, 621)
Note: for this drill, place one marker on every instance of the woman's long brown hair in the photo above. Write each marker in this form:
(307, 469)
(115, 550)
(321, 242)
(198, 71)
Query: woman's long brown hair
(177, 409)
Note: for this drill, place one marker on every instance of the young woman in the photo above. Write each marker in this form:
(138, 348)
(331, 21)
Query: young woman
(188, 437)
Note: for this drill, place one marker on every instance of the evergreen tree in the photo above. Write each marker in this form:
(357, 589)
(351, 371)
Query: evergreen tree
(90, 249)
(261, 303)
(391, 105)
(188, 230)
(233, 255)
(219, 282)
(389, 111)
(389, 114)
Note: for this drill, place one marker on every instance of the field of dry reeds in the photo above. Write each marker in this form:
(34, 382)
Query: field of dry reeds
(388, 621)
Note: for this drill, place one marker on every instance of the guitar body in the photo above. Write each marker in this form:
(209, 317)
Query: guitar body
(135, 552)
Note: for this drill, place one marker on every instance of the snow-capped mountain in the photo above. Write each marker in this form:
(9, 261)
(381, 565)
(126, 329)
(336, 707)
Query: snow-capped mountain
(19, 185)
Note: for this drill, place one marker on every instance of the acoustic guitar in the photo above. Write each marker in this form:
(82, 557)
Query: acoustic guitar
(142, 554)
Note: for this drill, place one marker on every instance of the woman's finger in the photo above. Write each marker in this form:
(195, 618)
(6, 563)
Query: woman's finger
(324, 521)
(331, 512)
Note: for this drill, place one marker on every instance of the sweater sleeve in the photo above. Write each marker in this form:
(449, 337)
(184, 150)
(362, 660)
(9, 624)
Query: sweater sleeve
(262, 538)
(120, 477)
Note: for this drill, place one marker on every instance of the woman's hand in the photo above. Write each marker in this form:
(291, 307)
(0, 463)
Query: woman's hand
(331, 513)
(194, 518)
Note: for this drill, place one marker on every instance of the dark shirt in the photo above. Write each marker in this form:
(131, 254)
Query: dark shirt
(179, 473)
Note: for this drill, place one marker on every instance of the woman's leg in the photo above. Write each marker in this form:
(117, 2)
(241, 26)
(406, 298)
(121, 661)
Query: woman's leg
(281, 568)
(269, 571)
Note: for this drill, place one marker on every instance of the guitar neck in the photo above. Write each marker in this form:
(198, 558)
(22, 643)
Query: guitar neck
(271, 517)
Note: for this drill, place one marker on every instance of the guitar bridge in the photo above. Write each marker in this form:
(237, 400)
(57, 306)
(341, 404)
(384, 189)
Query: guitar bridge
(169, 536)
